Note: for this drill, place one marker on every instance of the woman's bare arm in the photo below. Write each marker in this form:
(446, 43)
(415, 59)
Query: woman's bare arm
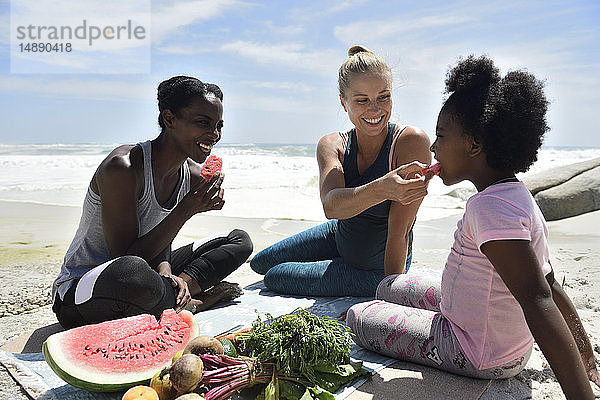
(412, 144)
(341, 202)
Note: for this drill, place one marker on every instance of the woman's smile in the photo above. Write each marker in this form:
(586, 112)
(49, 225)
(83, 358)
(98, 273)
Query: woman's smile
(373, 121)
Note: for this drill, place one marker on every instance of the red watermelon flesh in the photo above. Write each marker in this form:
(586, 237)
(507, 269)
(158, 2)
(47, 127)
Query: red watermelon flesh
(118, 354)
(434, 169)
(212, 165)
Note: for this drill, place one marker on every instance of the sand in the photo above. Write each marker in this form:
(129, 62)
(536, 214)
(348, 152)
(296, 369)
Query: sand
(34, 238)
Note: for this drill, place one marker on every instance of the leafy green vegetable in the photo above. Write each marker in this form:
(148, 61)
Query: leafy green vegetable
(320, 393)
(332, 381)
(299, 344)
(310, 354)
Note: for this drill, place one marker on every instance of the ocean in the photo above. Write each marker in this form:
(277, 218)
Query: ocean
(261, 180)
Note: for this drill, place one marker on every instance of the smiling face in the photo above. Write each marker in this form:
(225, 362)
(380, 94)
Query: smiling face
(197, 127)
(368, 102)
(452, 149)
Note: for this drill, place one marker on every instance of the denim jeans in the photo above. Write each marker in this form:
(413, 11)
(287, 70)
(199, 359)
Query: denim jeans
(309, 264)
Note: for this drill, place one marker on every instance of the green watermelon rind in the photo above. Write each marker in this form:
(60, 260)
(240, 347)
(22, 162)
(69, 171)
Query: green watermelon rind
(103, 382)
(93, 386)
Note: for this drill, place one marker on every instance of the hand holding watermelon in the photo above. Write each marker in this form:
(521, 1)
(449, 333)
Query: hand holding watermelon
(433, 169)
(207, 194)
(212, 165)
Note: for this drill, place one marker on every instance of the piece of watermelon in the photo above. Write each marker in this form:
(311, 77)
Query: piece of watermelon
(116, 355)
(434, 169)
(212, 165)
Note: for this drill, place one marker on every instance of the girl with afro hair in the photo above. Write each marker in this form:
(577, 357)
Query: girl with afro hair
(497, 291)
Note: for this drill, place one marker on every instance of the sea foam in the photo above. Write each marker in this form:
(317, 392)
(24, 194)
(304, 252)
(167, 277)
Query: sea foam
(261, 181)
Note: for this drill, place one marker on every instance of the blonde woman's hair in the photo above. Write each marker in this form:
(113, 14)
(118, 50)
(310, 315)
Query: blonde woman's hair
(361, 60)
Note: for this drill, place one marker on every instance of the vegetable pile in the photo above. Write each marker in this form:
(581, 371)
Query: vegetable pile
(298, 356)
(300, 344)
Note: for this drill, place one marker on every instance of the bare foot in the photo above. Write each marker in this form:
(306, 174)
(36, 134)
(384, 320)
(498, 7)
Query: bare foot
(222, 291)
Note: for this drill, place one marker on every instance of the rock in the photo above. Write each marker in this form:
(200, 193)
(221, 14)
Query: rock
(558, 175)
(462, 193)
(578, 195)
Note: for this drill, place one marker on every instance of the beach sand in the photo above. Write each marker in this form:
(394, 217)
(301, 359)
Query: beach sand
(34, 238)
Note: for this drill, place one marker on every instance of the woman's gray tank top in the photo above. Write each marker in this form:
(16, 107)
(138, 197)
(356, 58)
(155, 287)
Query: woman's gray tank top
(89, 249)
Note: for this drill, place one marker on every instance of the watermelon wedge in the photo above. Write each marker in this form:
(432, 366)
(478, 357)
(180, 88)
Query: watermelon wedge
(116, 355)
(434, 169)
(212, 165)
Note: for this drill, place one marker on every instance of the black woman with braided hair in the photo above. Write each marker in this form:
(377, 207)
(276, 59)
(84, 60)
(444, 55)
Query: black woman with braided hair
(120, 262)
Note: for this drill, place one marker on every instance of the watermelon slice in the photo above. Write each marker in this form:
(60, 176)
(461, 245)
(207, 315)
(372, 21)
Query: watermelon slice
(434, 169)
(116, 355)
(212, 165)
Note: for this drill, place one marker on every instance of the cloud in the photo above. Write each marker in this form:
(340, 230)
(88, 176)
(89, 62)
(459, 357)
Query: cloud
(185, 50)
(293, 86)
(284, 30)
(290, 55)
(88, 89)
(338, 6)
(270, 104)
(171, 16)
(323, 8)
(378, 29)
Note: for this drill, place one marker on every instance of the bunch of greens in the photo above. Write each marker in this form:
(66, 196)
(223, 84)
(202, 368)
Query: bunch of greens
(314, 349)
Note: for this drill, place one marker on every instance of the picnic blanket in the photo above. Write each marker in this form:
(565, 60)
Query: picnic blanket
(40, 382)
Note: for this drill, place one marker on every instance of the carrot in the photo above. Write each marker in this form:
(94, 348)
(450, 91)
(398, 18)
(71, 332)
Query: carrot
(231, 336)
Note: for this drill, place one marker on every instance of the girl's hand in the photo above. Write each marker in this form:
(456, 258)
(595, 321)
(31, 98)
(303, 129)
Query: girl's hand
(184, 296)
(405, 184)
(206, 196)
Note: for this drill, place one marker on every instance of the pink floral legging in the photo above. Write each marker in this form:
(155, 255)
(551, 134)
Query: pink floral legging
(405, 323)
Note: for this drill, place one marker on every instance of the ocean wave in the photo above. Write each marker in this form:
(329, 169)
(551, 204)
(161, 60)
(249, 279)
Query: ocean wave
(261, 180)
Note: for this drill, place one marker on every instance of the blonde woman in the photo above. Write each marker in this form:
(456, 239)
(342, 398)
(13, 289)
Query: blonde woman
(365, 191)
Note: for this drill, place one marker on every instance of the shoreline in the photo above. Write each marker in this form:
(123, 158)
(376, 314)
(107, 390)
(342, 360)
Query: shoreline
(34, 238)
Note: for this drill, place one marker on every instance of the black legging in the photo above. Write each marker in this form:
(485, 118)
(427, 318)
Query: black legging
(129, 286)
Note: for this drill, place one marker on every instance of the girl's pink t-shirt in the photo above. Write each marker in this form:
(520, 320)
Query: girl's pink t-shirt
(486, 319)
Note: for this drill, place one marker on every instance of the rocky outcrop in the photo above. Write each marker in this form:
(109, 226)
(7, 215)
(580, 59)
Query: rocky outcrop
(567, 191)
(557, 175)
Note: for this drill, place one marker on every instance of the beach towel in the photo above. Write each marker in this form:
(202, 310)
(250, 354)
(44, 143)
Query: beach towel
(40, 382)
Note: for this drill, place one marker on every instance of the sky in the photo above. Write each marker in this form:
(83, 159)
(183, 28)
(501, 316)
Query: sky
(277, 63)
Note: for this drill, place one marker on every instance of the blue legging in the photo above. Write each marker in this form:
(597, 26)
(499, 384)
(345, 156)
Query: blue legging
(309, 264)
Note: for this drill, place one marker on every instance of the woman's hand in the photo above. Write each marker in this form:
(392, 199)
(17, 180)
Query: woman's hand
(405, 184)
(183, 295)
(206, 196)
